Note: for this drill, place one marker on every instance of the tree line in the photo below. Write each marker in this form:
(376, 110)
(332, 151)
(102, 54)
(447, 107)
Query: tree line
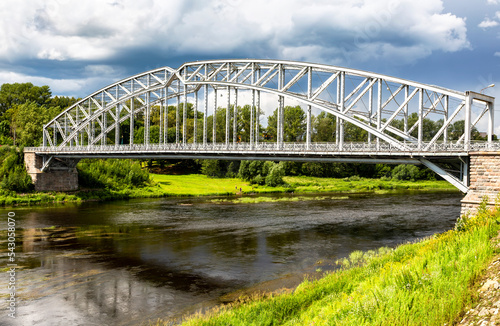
(25, 108)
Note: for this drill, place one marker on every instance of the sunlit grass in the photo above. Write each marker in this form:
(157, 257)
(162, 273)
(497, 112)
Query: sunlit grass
(313, 184)
(200, 185)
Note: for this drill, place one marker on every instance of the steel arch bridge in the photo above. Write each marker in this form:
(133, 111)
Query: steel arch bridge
(392, 112)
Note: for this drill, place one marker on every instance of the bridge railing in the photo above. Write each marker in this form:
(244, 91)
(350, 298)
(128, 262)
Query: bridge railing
(272, 147)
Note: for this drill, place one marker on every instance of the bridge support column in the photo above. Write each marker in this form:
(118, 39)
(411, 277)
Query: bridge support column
(61, 176)
(484, 180)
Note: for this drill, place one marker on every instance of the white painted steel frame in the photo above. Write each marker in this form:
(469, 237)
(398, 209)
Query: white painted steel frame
(91, 120)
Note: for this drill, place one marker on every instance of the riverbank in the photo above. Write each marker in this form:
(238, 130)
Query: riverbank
(430, 282)
(200, 185)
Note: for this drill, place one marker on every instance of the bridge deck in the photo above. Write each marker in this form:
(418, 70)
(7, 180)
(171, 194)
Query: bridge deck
(269, 151)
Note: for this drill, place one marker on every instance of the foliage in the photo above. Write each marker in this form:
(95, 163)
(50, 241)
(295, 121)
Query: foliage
(294, 124)
(28, 121)
(468, 221)
(13, 174)
(214, 168)
(111, 173)
(17, 94)
(275, 175)
(405, 172)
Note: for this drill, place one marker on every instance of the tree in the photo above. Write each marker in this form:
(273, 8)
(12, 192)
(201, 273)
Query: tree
(17, 94)
(275, 175)
(28, 120)
(324, 127)
(294, 124)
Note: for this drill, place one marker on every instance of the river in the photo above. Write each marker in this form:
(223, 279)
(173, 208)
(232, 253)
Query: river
(129, 262)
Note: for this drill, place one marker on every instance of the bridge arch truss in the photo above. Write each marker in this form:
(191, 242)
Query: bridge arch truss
(391, 110)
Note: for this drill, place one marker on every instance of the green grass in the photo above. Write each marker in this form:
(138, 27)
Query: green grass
(425, 283)
(198, 185)
(313, 184)
(201, 185)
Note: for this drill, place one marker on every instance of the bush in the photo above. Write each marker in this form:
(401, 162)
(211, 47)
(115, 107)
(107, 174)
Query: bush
(111, 173)
(13, 174)
(405, 172)
(18, 180)
(275, 176)
(213, 168)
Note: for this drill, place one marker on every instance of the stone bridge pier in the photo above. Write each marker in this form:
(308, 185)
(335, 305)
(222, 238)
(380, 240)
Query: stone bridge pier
(484, 180)
(60, 176)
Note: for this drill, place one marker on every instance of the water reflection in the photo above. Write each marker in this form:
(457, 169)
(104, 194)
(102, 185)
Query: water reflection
(124, 263)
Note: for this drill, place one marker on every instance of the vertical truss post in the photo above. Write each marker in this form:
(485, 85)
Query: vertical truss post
(65, 125)
(214, 120)
(370, 112)
(228, 112)
(407, 93)
(337, 125)
(379, 110)
(309, 94)
(117, 117)
(235, 117)
(160, 137)
(446, 109)
(257, 122)
(252, 108)
(342, 104)
(44, 132)
(147, 119)
(467, 128)
(91, 131)
(195, 126)
(131, 136)
(205, 100)
(420, 118)
(117, 124)
(257, 117)
(165, 134)
(177, 118)
(55, 133)
(184, 115)
(77, 123)
(104, 122)
(281, 116)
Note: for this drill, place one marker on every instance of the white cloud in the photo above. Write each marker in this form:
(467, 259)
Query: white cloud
(93, 30)
(336, 32)
(488, 23)
(493, 2)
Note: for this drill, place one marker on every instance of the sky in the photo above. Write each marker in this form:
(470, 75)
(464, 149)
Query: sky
(78, 47)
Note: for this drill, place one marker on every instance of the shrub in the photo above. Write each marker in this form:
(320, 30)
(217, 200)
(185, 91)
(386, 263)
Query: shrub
(275, 176)
(405, 172)
(111, 173)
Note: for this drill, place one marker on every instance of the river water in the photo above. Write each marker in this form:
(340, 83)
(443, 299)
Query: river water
(131, 262)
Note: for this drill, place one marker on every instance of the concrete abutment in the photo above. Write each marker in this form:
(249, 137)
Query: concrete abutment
(61, 176)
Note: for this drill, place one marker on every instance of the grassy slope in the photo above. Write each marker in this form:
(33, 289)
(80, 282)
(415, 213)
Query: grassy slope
(425, 283)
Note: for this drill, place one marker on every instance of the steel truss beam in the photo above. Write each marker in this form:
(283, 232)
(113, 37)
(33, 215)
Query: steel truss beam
(342, 92)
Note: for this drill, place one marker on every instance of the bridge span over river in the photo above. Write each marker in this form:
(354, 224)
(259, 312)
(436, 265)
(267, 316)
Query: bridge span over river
(169, 113)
